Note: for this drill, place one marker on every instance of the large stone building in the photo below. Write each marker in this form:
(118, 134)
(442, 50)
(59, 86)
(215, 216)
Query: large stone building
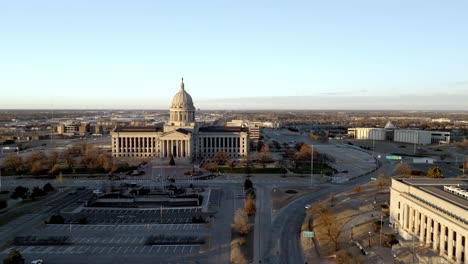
(180, 137)
(390, 132)
(433, 211)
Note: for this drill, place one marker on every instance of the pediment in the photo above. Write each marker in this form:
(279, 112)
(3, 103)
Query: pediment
(175, 135)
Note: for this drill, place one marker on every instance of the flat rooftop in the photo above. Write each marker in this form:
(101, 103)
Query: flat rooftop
(436, 187)
(138, 129)
(223, 129)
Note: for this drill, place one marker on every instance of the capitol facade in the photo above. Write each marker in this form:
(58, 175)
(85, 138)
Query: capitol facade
(180, 137)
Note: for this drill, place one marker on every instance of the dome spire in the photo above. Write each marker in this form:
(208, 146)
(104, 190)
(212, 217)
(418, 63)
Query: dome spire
(182, 84)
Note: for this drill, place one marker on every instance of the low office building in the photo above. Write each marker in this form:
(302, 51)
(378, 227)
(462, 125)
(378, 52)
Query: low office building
(433, 211)
(366, 133)
(412, 136)
(390, 132)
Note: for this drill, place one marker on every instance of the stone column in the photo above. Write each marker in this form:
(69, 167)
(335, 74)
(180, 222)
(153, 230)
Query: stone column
(178, 148)
(422, 227)
(459, 248)
(411, 220)
(435, 230)
(442, 239)
(171, 150)
(117, 143)
(417, 222)
(450, 244)
(148, 145)
(405, 217)
(189, 152)
(428, 228)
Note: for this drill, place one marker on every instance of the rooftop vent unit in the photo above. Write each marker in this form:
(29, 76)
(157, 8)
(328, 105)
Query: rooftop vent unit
(457, 191)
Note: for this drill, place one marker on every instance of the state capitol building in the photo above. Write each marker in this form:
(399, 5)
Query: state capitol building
(180, 137)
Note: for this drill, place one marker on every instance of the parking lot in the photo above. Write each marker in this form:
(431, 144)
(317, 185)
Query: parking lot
(136, 216)
(84, 194)
(159, 250)
(145, 227)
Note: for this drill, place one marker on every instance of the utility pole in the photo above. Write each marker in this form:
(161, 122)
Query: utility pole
(381, 227)
(311, 163)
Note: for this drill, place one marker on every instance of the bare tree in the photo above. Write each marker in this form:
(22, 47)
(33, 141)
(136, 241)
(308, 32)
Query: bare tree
(90, 156)
(329, 227)
(55, 170)
(248, 165)
(231, 164)
(332, 198)
(263, 156)
(464, 166)
(241, 222)
(36, 157)
(68, 156)
(326, 223)
(53, 158)
(249, 207)
(37, 167)
(381, 181)
(402, 169)
(13, 162)
(211, 166)
(237, 257)
(221, 157)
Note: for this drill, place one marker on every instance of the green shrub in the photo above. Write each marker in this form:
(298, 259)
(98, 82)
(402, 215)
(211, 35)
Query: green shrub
(56, 220)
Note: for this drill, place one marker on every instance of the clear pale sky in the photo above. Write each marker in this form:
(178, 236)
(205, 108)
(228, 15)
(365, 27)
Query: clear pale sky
(131, 54)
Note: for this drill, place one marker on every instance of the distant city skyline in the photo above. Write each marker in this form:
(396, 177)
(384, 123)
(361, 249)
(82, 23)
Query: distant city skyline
(364, 55)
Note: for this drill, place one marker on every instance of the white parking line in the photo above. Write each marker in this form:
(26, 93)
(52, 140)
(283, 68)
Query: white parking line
(159, 248)
(135, 248)
(183, 248)
(167, 248)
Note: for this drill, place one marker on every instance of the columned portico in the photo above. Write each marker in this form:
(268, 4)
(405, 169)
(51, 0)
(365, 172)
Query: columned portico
(438, 221)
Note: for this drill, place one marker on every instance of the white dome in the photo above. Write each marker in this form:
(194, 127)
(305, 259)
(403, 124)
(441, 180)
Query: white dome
(389, 125)
(182, 100)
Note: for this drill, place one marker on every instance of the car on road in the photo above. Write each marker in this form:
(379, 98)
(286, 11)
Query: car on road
(37, 261)
(308, 206)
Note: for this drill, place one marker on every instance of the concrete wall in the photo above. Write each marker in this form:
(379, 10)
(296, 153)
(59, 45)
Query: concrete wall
(413, 136)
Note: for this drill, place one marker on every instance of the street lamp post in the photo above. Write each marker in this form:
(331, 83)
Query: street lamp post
(369, 238)
(311, 163)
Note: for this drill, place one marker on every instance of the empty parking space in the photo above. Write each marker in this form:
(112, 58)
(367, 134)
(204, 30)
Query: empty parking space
(136, 216)
(76, 228)
(159, 250)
